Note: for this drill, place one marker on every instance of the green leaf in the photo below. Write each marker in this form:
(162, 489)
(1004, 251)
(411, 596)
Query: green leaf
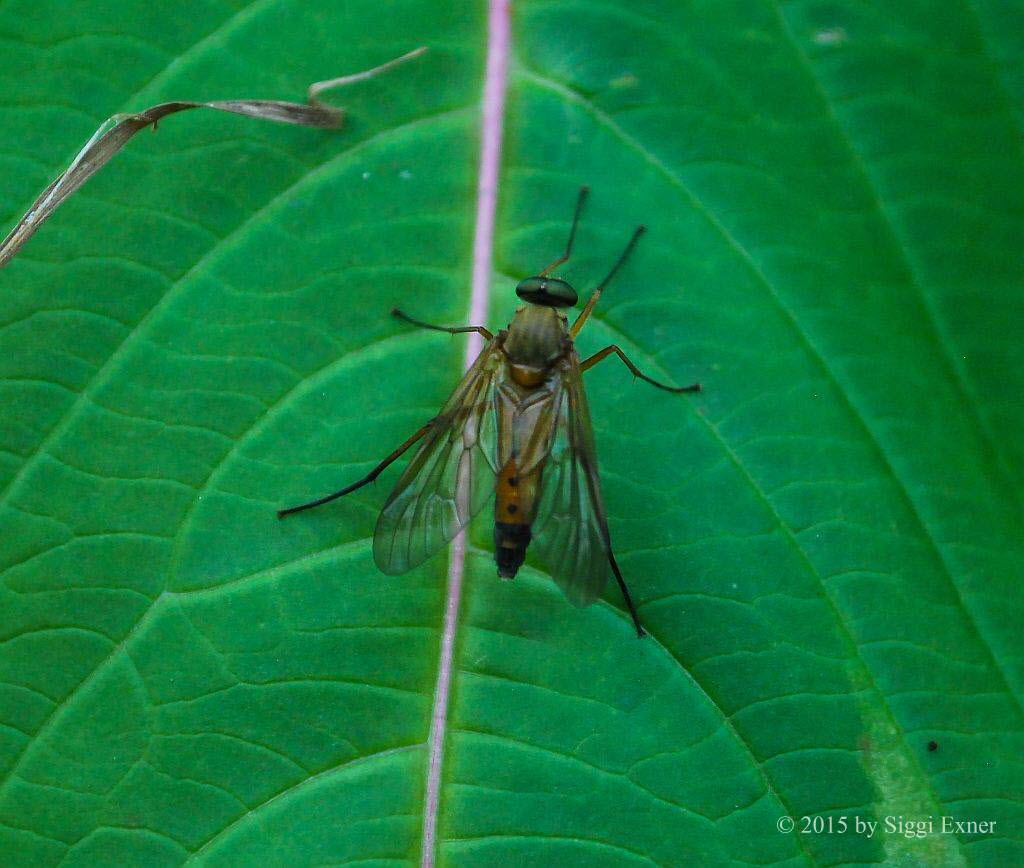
(825, 545)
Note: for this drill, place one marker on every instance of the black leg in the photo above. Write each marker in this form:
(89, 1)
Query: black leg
(607, 351)
(480, 330)
(584, 191)
(640, 631)
(585, 313)
(372, 475)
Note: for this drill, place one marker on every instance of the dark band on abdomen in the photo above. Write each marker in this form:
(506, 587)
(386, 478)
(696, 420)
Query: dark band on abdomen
(510, 543)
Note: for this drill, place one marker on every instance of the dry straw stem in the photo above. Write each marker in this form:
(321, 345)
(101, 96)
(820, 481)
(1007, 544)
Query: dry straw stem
(116, 132)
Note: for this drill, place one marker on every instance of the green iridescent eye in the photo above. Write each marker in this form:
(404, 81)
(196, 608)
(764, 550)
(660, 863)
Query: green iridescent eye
(548, 291)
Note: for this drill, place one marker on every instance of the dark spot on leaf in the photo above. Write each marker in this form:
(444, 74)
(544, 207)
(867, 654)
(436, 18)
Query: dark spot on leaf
(933, 746)
(512, 509)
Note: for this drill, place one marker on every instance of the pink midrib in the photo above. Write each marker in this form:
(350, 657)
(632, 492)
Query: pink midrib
(498, 27)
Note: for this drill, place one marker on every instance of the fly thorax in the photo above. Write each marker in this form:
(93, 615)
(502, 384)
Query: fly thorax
(536, 339)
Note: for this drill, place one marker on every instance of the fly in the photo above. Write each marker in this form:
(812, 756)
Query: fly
(516, 427)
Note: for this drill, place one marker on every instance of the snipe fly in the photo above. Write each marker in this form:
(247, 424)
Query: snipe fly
(517, 426)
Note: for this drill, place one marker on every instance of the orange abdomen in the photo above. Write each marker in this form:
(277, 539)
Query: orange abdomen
(514, 510)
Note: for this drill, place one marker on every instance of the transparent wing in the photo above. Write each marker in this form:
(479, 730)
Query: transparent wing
(570, 530)
(451, 476)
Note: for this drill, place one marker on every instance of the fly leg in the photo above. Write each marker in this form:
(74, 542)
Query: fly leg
(607, 351)
(585, 313)
(606, 537)
(372, 475)
(480, 330)
(584, 191)
(640, 631)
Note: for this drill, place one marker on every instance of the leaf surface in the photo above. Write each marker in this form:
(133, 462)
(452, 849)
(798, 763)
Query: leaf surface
(825, 545)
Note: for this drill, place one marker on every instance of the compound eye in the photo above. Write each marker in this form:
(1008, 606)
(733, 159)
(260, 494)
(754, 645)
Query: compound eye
(547, 291)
